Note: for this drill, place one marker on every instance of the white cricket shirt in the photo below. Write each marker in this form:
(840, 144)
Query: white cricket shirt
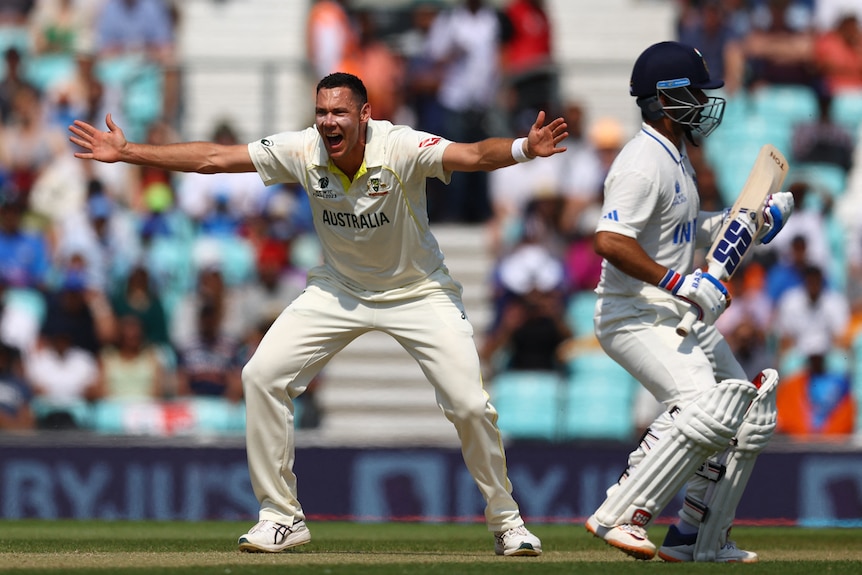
(374, 230)
(651, 196)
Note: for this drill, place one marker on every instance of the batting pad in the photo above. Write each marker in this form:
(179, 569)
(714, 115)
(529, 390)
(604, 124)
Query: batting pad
(702, 428)
(722, 498)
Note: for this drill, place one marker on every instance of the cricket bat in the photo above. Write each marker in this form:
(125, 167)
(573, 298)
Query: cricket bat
(744, 221)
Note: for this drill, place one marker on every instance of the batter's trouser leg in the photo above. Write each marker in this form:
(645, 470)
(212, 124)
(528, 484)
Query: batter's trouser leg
(753, 435)
(438, 335)
(703, 427)
(297, 346)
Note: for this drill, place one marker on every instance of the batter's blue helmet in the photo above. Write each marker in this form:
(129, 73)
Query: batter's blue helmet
(670, 65)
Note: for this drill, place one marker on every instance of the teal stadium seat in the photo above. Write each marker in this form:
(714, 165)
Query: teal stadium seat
(528, 404)
(822, 177)
(580, 310)
(46, 72)
(599, 399)
(847, 110)
(789, 104)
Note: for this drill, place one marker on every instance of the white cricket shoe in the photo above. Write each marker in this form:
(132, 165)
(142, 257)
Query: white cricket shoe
(271, 537)
(630, 539)
(679, 548)
(517, 541)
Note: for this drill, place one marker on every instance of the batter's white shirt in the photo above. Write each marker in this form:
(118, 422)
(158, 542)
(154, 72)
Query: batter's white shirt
(651, 196)
(374, 231)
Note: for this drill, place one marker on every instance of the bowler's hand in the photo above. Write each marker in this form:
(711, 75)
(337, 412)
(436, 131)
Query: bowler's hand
(542, 140)
(101, 146)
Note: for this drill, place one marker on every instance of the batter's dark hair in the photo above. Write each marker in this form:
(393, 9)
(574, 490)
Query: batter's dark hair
(345, 80)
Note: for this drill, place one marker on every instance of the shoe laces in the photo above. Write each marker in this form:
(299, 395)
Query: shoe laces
(635, 530)
(514, 531)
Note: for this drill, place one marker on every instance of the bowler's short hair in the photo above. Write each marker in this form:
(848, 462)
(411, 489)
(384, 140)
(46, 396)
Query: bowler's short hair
(345, 80)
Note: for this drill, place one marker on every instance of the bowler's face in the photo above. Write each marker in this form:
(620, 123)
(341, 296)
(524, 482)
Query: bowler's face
(341, 122)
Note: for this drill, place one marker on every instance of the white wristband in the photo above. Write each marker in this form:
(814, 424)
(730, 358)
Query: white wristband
(518, 153)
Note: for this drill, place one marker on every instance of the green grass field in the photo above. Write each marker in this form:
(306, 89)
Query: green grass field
(79, 547)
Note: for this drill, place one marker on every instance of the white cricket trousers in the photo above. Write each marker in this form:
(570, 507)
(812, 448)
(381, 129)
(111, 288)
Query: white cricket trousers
(431, 326)
(642, 338)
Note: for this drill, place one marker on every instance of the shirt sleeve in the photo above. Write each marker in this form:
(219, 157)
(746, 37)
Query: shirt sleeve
(280, 158)
(630, 199)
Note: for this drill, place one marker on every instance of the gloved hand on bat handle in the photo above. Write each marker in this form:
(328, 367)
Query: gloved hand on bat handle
(776, 211)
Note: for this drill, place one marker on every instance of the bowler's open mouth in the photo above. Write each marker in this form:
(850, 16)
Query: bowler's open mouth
(334, 140)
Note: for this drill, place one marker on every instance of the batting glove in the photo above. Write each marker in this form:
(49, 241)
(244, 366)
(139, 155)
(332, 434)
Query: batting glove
(706, 294)
(776, 212)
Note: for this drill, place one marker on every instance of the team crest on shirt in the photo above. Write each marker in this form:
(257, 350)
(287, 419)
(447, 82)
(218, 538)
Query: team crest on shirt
(322, 190)
(376, 188)
(678, 196)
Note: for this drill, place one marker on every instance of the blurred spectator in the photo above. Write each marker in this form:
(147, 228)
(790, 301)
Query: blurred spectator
(15, 12)
(147, 183)
(64, 377)
(19, 318)
(136, 53)
(24, 253)
(532, 332)
(585, 179)
(166, 236)
(331, 39)
(213, 200)
(29, 143)
(135, 27)
(513, 188)
(423, 73)
(63, 27)
(130, 367)
(779, 49)
(105, 233)
(210, 363)
(465, 40)
(277, 284)
(11, 82)
(382, 71)
(533, 263)
(838, 55)
(810, 220)
(786, 273)
(229, 304)
(84, 310)
(137, 296)
(528, 61)
(746, 324)
(812, 318)
(815, 401)
(15, 392)
(822, 140)
(583, 176)
(705, 27)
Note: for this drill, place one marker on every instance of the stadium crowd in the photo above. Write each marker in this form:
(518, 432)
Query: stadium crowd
(126, 291)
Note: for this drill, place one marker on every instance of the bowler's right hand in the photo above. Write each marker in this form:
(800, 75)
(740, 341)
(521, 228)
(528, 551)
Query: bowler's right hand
(101, 146)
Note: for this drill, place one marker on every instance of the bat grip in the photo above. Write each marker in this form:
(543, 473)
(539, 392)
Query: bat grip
(684, 326)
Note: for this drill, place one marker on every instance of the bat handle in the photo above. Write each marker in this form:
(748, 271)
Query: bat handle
(684, 326)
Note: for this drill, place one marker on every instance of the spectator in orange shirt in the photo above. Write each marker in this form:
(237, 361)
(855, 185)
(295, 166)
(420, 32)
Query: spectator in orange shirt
(331, 39)
(838, 55)
(815, 401)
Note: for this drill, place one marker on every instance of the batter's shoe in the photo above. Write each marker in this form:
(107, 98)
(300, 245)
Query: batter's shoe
(271, 537)
(517, 541)
(630, 539)
(679, 548)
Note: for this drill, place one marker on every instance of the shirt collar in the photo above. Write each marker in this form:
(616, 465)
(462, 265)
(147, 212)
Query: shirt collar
(663, 141)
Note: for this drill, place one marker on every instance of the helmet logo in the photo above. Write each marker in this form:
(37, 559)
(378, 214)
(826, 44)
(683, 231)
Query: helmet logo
(702, 59)
(677, 83)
